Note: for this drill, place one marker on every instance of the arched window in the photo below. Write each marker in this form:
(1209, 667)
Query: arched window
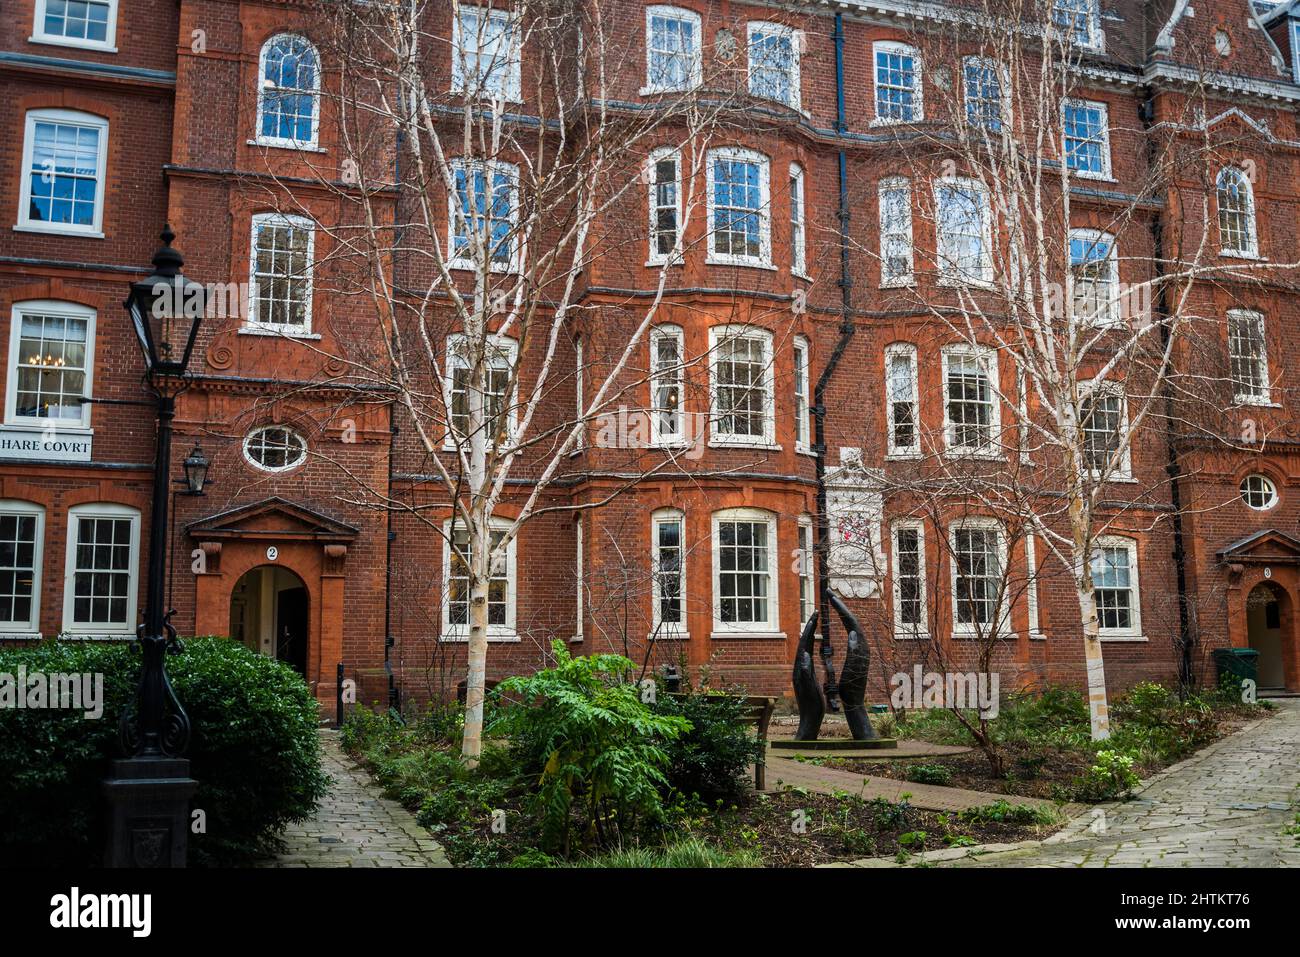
(288, 93)
(1236, 213)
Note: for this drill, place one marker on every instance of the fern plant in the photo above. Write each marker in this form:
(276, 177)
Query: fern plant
(597, 749)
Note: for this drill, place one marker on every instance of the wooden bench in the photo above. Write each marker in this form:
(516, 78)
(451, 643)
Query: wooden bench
(756, 710)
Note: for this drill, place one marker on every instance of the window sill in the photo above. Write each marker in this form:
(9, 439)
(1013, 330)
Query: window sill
(97, 636)
(1037, 636)
(648, 90)
(1242, 400)
(664, 261)
(453, 638)
(712, 260)
(1236, 254)
(1138, 638)
(286, 145)
(737, 444)
(74, 44)
(903, 457)
(468, 265)
(54, 229)
(800, 274)
(805, 450)
(960, 453)
(277, 331)
(669, 636)
(880, 121)
(719, 635)
(904, 635)
(1094, 177)
(43, 424)
(1008, 635)
(20, 636)
(906, 283)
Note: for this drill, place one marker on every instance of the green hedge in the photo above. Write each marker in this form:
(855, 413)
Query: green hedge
(254, 752)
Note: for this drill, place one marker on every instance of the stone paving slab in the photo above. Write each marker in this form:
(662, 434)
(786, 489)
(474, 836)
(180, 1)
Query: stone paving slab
(355, 826)
(783, 772)
(1225, 806)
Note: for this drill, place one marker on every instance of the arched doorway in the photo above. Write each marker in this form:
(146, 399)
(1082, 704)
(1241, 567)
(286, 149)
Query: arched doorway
(268, 613)
(1264, 622)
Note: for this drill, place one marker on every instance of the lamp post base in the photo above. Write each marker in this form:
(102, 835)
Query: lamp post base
(149, 812)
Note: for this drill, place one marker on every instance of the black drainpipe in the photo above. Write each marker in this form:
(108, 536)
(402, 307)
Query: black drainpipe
(1173, 467)
(819, 393)
(394, 692)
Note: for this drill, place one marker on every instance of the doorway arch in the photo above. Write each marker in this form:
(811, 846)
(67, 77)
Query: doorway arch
(269, 613)
(1267, 613)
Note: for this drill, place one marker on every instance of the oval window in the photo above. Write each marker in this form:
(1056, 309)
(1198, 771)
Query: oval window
(1258, 492)
(273, 448)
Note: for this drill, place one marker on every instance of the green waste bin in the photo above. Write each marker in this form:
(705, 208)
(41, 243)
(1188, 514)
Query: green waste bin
(1238, 664)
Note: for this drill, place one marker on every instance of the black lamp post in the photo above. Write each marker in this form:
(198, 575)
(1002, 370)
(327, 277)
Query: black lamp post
(150, 789)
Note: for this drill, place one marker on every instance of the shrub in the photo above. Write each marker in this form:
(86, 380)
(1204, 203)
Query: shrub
(690, 853)
(711, 760)
(254, 751)
(1004, 812)
(1151, 720)
(1111, 777)
(929, 773)
(596, 747)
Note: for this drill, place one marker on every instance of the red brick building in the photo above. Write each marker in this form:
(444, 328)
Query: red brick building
(222, 118)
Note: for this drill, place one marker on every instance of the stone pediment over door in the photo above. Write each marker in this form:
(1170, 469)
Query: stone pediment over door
(272, 518)
(1268, 546)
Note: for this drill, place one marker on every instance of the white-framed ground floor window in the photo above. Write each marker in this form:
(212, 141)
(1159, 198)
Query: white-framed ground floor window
(668, 560)
(745, 600)
(22, 535)
(102, 571)
(502, 585)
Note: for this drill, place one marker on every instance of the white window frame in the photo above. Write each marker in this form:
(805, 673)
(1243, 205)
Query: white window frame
(950, 271)
(718, 335)
(771, 628)
(672, 377)
(905, 630)
(1096, 39)
(764, 212)
(491, 168)
(580, 581)
(1134, 631)
(508, 349)
(969, 630)
(807, 569)
(1268, 482)
(579, 398)
(1123, 471)
(696, 70)
(312, 143)
(802, 395)
(888, 229)
(513, 68)
(1110, 314)
(507, 632)
(1251, 249)
(917, 87)
(1295, 50)
(254, 322)
(893, 449)
(1103, 137)
(798, 221)
(31, 628)
(796, 39)
(253, 433)
(1260, 359)
(107, 45)
(48, 307)
(1004, 82)
(104, 510)
(95, 230)
(989, 359)
(660, 629)
(656, 157)
(1031, 589)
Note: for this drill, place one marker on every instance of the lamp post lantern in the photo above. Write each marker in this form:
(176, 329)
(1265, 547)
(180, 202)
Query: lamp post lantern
(150, 788)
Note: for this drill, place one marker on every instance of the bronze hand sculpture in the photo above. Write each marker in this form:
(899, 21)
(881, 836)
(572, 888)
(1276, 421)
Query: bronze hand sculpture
(853, 675)
(807, 694)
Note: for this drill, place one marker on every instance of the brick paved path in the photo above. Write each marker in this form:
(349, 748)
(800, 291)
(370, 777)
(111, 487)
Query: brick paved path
(784, 772)
(355, 826)
(1226, 806)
